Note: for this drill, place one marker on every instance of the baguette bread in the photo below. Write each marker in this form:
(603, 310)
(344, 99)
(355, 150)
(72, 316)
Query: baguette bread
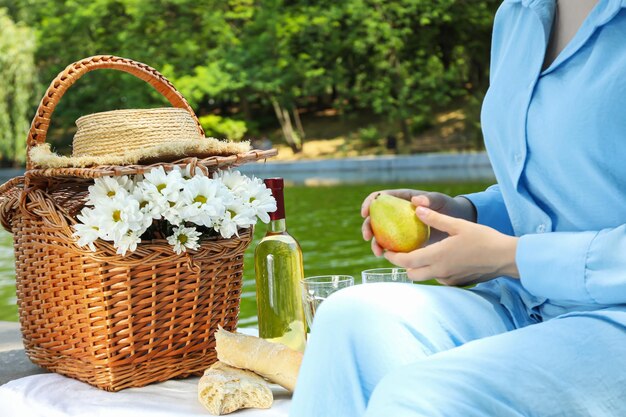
(274, 361)
(224, 389)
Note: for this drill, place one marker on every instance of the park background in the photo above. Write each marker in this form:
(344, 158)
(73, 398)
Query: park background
(315, 79)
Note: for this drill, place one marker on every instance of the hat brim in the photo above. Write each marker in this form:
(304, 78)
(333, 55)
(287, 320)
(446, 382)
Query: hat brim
(41, 156)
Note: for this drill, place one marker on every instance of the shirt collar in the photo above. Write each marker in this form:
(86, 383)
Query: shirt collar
(601, 14)
(609, 8)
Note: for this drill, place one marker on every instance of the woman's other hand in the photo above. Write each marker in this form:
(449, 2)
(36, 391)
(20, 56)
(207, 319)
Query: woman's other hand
(459, 207)
(471, 253)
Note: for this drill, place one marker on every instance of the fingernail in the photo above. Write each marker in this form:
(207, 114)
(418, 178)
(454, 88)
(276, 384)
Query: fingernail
(422, 211)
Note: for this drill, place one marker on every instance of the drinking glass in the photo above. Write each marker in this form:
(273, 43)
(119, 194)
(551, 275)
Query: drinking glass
(317, 289)
(384, 275)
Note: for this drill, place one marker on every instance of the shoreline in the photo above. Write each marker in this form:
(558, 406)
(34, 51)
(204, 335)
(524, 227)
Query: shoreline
(427, 167)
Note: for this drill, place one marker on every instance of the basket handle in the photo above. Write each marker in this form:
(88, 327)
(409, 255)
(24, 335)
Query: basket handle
(65, 79)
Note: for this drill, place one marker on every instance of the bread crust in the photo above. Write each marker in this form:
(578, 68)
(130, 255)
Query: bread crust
(224, 389)
(274, 361)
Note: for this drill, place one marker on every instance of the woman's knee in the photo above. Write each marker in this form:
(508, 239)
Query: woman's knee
(373, 307)
(345, 311)
(400, 318)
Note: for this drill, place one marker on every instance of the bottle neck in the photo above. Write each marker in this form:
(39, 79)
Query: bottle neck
(279, 196)
(277, 226)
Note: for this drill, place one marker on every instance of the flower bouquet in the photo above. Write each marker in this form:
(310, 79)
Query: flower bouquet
(178, 205)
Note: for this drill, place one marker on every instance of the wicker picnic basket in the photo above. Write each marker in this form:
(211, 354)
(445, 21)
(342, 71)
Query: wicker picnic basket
(112, 321)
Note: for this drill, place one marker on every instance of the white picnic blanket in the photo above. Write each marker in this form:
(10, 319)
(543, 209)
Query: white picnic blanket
(53, 395)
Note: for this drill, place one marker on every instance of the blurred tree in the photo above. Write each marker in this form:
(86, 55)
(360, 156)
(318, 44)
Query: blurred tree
(265, 62)
(401, 59)
(223, 128)
(17, 72)
(170, 35)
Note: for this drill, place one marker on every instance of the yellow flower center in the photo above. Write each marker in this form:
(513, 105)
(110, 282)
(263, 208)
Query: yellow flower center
(200, 199)
(117, 215)
(232, 213)
(111, 193)
(160, 187)
(183, 239)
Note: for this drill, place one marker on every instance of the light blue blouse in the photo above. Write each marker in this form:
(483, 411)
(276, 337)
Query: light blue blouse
(557, 142)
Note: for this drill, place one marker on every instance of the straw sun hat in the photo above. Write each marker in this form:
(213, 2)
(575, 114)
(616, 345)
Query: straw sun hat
(136, 136)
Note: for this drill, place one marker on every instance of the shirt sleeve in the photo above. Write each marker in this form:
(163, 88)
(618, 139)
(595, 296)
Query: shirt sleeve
(578, 266)
(491, 210)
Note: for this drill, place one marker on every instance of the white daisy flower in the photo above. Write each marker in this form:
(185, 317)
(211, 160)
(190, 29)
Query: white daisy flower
(261, 200)
(168, 185)
(234, 180)
(176, 213)
(225, 193)
(184, 238)
(118, 215)
(108, 187)
(202, 201)
(151, 205)
(127, 242)
(227, 227)
(237, 216)
(88, 230)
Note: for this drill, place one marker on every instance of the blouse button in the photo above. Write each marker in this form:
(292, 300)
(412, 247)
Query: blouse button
(541, 228)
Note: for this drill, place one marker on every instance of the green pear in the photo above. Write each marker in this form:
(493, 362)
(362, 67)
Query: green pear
(395, 225)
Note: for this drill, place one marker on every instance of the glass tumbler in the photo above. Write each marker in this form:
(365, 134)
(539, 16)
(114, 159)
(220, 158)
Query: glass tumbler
(316, 289)
(384, 275)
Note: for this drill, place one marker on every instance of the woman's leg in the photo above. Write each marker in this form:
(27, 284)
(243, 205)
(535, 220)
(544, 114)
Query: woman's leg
(364, 332)
(570, 366)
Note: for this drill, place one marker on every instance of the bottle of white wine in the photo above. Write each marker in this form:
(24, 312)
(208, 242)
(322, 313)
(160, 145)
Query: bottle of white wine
(279, 270)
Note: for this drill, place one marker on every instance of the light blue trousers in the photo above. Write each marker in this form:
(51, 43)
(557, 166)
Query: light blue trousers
(394, 350)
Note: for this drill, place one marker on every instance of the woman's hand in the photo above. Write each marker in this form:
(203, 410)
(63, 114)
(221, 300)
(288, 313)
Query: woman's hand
(471, 253)
(456, 207)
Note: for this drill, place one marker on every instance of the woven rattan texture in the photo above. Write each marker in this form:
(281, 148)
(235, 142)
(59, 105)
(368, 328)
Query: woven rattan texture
(118, 322)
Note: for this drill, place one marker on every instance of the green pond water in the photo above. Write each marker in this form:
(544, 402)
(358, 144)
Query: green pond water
(326, 221)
